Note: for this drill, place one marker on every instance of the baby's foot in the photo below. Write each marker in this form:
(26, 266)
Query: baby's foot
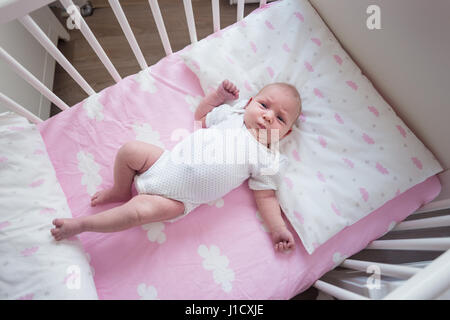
(228, 91)
(65, 228)
(108, 195)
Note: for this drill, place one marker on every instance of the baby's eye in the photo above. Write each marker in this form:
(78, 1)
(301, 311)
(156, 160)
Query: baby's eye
(264, 106)
(280, 118)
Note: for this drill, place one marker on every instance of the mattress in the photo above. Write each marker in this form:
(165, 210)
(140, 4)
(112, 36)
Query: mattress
(221, 250)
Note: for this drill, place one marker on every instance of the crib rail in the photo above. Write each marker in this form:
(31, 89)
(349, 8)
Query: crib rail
(42, 38)
(160, 26)
(23, 8)
(428, 283)
(190, 20)
(120, 15)
(420, 283)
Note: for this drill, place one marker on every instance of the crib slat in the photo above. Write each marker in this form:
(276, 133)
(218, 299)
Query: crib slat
(403, 272)
(120, 15)
(31, 79)
(190, 20)
(427, 284)
(434, 206)
(434, 222)
(17, 108)
(160, 25)
(42, 38)
(262, 3)
(240, 10)
(427, 244)
(92, 40)
(337, 292)
(216, 14)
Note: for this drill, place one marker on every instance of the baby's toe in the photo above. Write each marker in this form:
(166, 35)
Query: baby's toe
(56, 233)
(58, 222)
(94, 197)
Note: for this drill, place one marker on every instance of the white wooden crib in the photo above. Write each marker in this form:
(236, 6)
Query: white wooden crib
(353, 279)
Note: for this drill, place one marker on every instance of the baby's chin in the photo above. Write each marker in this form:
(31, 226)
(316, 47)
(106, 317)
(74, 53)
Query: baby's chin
(263, 137)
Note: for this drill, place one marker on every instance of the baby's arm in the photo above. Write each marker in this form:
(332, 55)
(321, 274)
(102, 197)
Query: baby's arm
(269, 208)
(226, 91)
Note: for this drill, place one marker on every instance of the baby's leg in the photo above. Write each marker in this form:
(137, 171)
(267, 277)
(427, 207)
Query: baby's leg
(141, 209)
(133, 157)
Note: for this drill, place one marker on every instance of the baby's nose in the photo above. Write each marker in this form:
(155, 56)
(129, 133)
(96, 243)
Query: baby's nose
(268, 116)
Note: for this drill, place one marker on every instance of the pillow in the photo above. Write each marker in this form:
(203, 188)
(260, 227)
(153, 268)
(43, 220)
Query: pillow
(32, 264)
(349, 153)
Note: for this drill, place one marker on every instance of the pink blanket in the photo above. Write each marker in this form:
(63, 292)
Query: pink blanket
(220, 250)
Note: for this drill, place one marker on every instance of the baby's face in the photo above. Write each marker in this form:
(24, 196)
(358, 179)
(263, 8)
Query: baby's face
(270, 110)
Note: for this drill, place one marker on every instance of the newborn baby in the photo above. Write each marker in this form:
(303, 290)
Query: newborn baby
(235, 143)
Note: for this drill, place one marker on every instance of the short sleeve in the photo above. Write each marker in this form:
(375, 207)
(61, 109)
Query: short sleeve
(262, 182)
(218, 114)
(225, 112)
(268, 178)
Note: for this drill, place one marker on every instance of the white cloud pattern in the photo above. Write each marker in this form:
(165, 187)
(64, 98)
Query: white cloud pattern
(90, 169)
(146, 81)
(390, 227)
(145, 133)
(93, 107)
(192, 101)
(338, 259)
(212, 260)
(147, 293)
(218, 203)
(155, 232)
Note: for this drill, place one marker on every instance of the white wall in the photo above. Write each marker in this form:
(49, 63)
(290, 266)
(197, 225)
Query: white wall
(20, 44)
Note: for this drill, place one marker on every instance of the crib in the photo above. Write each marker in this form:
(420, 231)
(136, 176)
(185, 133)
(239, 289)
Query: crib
(415, 253)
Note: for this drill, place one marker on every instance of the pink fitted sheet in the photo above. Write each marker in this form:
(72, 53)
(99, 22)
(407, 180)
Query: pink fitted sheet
(219, 251)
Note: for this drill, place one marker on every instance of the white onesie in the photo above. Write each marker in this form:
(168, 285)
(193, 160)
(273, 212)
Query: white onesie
(212, 161)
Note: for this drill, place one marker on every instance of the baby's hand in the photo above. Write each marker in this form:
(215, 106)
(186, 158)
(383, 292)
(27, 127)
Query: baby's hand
(283, 239)
(228, 91)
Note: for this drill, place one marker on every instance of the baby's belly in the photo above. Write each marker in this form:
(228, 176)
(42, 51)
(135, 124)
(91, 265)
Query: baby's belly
(193, 182)
(205, 183)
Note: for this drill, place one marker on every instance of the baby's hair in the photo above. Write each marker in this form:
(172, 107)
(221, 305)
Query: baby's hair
(292, 90)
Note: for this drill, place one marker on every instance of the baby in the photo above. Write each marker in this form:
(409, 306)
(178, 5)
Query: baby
(171, 184)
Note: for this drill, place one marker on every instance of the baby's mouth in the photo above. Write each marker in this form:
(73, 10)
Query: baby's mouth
(260, 126)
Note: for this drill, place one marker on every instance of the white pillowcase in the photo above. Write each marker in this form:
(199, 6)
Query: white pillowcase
(349, 152)
(32, 264)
